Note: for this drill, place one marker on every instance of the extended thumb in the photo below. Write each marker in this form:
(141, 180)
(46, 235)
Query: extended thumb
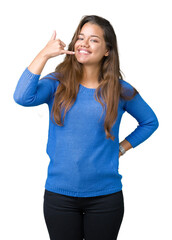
(53, 37)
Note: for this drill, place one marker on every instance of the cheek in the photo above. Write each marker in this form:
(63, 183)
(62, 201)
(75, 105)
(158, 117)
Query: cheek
(99, 51)
(76, 45)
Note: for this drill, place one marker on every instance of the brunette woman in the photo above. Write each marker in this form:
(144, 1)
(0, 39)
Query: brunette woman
(86, 96)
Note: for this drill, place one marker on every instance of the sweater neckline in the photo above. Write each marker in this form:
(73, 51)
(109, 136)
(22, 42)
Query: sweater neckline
(86, 90)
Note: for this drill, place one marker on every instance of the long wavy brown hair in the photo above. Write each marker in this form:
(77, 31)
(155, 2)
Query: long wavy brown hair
(69, 73)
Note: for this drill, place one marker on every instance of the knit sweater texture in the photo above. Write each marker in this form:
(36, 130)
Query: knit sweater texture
(83, 162)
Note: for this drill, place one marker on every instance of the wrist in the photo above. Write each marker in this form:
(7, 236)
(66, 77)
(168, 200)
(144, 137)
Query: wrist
(38, 64)
(125, 144)
(43, 55)
(122, 149)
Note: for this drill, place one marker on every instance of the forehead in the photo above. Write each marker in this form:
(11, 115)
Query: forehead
(91, 29)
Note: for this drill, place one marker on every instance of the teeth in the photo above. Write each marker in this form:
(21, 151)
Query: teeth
(82, 51)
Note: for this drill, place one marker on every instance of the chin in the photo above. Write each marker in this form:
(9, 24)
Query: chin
(82, 61)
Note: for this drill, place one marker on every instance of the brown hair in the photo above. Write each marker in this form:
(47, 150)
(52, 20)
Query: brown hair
(69, 73)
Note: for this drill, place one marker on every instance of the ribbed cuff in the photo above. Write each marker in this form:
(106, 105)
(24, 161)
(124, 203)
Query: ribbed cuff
(30, 74)
(134, 143)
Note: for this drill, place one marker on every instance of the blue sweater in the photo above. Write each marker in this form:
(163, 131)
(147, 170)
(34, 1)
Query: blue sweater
(83, 163)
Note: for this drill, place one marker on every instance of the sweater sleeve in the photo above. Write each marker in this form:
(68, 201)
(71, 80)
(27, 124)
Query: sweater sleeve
(30, 91)
(146, 118)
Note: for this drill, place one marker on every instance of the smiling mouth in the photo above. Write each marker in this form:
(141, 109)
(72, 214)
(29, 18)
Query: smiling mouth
(84, 52)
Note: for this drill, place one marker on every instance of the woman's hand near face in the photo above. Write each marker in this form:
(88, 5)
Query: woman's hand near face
(54, 47)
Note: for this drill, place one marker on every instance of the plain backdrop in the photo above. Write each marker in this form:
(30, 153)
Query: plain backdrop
(144, 37)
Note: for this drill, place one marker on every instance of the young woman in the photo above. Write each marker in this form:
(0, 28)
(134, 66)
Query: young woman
(87, 97)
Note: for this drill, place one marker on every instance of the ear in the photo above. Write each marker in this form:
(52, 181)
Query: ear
(107, 53)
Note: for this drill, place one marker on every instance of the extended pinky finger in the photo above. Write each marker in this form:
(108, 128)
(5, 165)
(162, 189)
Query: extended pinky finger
(67, 52)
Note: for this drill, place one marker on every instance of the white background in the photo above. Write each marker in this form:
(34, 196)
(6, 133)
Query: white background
(144, 38)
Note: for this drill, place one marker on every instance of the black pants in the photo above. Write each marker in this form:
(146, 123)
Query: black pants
(78, 218)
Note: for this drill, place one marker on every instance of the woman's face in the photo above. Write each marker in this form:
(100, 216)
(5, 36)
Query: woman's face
(90, 46)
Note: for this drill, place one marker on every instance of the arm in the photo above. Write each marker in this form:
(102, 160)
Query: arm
(126, 145)
(146, 118)
(30, 91)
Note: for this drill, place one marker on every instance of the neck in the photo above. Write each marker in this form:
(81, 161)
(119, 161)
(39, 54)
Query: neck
(90, 76)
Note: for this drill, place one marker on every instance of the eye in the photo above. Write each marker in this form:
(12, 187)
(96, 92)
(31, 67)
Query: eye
(79, 38)
(93, 40)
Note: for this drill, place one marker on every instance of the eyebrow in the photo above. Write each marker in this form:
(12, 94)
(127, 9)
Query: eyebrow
(90, 35)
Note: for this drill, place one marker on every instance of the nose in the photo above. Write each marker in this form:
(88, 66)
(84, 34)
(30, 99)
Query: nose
(85, 43)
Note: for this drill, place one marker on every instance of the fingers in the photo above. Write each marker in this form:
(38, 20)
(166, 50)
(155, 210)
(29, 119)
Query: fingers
(53, 37)
(62, 43)
(67, 52)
